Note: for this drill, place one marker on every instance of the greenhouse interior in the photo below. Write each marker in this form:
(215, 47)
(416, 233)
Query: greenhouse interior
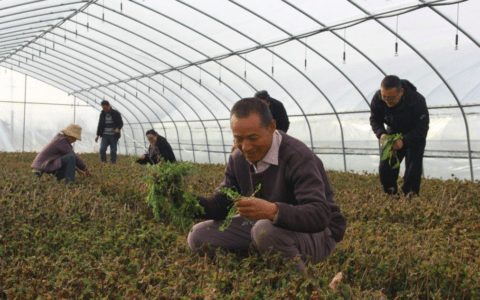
(179, 66)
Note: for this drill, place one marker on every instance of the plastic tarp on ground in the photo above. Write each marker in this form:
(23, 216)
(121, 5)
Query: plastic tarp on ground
(179, 66)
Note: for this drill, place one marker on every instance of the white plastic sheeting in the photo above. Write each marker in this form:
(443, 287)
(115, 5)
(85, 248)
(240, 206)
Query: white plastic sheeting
(178, 67)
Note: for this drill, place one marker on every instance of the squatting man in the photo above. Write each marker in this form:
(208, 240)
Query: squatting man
(294, 211)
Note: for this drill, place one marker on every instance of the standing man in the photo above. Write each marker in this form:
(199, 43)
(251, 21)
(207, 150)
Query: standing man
(277, 109)
(404, 110)
(294, 211)
(108, 129)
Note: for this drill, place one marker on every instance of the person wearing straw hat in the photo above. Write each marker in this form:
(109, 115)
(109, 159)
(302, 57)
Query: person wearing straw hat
(59, 158)
(109, 126)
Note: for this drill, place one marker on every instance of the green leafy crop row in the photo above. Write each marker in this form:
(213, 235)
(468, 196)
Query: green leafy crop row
(100, 239)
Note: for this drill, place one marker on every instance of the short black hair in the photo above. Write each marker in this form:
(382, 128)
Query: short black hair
(262, 95)
(245, 107)
(152, 131)
(391, 82)
(105, 102)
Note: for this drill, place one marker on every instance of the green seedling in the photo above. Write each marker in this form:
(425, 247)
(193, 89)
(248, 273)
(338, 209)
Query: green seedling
(170, 198)
(388, 152)
(235, 197)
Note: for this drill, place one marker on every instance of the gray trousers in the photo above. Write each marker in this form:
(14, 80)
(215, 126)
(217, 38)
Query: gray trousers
(313, 247)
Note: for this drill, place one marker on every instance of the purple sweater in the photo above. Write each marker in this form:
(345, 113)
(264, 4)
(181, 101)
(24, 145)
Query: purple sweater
(49, 159)
(298, 185)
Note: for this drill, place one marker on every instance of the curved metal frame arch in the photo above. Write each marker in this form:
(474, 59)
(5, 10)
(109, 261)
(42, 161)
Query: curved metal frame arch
(338, 36)
(20, 38)
(117, 78)
(178, 136)
(31, 28)
(461, 107)
(308, 123)
(26, 24)
(50, 54)
(121, 72)
(438, 74)
(254, 65)
(60, 84)
(351, 45)
(35, 67)
(186, 75)
(218, 123)
(196, 50)
(42, 8)
(80, 67)
(453, 23)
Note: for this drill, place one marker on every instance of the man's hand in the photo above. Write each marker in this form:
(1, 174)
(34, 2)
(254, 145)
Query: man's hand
(96, 139)
(84, 173)
(383, 137)
(116, 130)
(143, 156)
(256, 209)
(398, 145)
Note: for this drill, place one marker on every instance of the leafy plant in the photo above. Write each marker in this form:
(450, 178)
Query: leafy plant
(235, 197)
(388, 152)
(98, 239)
(169, 196)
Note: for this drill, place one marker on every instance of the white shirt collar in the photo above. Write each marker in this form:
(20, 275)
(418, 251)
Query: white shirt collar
(271, 158)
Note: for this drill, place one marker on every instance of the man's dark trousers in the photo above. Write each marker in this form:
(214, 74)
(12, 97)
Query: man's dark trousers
(108, 140)
(413, 170)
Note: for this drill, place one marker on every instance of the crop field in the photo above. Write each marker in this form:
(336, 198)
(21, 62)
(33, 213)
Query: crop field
(98, 239)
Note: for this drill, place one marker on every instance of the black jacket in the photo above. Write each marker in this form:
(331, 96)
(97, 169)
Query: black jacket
(117, 122)
(165, 149)
(409, 117)
(279, 114)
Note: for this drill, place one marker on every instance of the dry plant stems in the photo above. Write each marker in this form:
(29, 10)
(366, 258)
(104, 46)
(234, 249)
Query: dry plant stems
(235, 197)
(170, 198)
(388, 152)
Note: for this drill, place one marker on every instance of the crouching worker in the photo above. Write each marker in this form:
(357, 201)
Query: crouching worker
(59, 158)
(159, 148)
(294, 211)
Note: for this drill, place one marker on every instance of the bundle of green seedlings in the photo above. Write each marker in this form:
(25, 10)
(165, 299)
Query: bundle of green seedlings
(235, 197)
(171, 200)
(388, 152)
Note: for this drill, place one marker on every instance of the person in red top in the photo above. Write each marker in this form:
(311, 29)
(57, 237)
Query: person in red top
(59, 158)
(294, 211)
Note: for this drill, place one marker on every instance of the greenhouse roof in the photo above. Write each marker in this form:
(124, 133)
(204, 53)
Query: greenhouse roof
(179, 66)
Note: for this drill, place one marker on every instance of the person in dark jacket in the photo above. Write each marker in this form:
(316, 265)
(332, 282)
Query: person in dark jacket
(159, 148)
(108, 129)
(59, 158)
(277, 109)
(404, 110)
(294, 210)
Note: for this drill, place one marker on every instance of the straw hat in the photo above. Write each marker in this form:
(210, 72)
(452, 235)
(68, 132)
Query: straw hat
(73, 130)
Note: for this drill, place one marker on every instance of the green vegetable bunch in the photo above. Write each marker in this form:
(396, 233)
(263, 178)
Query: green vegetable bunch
(235, 197)
(388, 152)
(170, 198)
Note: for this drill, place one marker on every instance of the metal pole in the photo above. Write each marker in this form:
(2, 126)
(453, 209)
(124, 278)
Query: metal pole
(125, 140)
(74, 112)
(24, 113)
(74, 108)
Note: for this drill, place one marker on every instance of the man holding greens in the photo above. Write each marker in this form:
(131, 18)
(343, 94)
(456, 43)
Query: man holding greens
(293, 212)
(404, 110)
